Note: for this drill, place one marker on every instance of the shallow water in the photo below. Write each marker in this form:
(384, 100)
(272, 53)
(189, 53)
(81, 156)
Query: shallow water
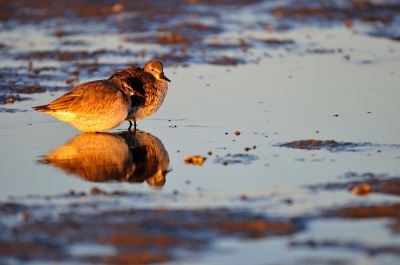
(280, 95)
(275, 101)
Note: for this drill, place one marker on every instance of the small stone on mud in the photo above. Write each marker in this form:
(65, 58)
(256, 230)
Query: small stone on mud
(348, 23)
(363, 190)
(26, 215)
(225, 163)
(243, 197)
(70, 80)
(117, 8)
(76, 72)
(96, 190)
(194, 160)
(119, 193)
(247, 149)
(288, 201)
(209, 153)
(76, 224)
(237, 133)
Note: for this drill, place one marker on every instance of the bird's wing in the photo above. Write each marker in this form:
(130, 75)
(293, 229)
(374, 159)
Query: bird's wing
(131, 71)
(90, 98)
(141, 82)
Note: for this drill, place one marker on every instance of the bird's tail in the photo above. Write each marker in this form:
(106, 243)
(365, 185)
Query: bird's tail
(42, 108)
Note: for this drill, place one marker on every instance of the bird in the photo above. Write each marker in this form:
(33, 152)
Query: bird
(101, 105)
(149, 156)
(123, 157)
(150, 86)
(93, 106)
(93, 156)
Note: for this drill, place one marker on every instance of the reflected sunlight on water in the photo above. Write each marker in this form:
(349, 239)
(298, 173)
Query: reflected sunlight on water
(102, 157)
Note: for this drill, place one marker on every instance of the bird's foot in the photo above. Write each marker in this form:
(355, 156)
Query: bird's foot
(130, 126)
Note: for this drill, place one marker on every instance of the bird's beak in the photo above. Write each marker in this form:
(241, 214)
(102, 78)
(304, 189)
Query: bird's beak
(162, 76)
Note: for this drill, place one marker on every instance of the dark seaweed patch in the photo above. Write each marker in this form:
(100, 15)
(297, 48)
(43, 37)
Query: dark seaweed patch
(349, 245)
(236, 159)
(332, 145)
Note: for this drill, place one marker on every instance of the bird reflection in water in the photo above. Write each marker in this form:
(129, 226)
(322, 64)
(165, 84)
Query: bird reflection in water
(123, 157)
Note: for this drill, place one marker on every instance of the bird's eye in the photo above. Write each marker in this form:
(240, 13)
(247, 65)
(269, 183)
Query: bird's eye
(152, 70)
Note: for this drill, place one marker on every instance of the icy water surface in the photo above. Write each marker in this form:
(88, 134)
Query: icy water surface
(294, 134)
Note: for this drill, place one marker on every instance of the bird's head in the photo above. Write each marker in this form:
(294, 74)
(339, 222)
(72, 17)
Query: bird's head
(155, 68)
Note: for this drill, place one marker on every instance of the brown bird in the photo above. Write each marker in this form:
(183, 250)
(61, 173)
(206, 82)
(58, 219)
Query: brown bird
(130, 94)
(123, 157)
(150, 86)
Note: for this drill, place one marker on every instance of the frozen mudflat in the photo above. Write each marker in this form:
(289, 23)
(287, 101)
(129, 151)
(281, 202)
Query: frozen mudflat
(288, 118)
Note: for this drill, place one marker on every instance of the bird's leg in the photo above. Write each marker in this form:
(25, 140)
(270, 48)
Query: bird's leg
(134, 126)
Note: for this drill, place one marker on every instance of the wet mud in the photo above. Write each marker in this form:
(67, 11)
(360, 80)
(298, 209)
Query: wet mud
(363, 212)
(365, 185)
(135, 236)
(369, 183)
(187, 38)
(345, 12)
(185, 33)
(77, 60)
(148, 236)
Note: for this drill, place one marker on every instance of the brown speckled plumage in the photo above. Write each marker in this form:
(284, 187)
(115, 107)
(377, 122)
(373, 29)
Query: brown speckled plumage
(92, 106)
(130, 94)
(150, 86)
